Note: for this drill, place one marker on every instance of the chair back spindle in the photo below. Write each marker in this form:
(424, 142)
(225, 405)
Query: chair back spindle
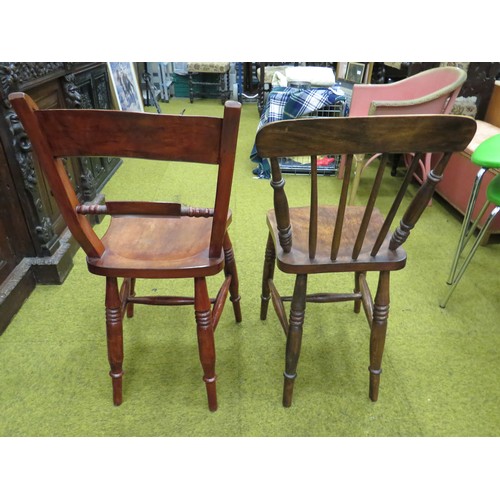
(396, 204)
(281, 202)
(313, 217)
(339, 221)
(369, 207)
(419, 202)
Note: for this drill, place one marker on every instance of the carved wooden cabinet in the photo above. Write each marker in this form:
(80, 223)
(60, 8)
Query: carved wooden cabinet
(94, 89)
(35, 245)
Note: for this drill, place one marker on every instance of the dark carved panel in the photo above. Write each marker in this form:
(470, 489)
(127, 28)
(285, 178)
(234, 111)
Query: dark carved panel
(34, 242)
(93, 87)
(393, 72)
(29, 72)
(103, 98)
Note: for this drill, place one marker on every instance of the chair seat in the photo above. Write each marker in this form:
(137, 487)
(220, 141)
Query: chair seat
(486, 154)
(159, 247)
(297, 261)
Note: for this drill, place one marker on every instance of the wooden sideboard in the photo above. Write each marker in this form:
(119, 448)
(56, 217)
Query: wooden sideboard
(35, 245)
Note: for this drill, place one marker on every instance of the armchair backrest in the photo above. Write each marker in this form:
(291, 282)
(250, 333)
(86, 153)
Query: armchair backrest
(430, 92)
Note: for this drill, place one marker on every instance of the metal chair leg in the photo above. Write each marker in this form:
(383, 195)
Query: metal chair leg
(466, 230)
(477, 241)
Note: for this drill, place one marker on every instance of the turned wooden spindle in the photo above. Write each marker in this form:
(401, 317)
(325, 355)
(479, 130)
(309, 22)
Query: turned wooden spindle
(206, 344)
(114, 330)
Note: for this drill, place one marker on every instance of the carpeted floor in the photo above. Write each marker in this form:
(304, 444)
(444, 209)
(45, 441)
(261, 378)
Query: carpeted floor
(440, 366)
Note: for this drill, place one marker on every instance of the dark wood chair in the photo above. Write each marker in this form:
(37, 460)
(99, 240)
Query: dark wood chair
(146, 239)
(343, 238)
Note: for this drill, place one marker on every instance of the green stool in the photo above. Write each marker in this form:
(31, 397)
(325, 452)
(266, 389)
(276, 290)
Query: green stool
(486, 155)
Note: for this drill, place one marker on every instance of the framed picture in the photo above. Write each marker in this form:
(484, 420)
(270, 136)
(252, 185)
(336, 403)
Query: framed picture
(125, 86)
(355, 72)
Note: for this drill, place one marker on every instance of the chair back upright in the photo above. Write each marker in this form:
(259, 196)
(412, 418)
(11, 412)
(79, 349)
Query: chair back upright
(350, 136)
(59, 133)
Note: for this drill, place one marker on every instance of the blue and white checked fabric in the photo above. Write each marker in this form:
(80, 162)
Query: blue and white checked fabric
(285, 103)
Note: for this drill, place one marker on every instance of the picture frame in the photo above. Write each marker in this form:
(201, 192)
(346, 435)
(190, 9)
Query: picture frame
(125, 86)
(355, 72)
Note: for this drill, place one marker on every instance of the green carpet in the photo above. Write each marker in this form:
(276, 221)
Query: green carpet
(440, 366)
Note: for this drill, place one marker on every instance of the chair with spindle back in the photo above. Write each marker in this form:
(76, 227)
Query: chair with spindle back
(344, 238)
(157, 240)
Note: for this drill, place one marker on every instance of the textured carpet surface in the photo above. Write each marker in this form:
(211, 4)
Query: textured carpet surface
(440, 366)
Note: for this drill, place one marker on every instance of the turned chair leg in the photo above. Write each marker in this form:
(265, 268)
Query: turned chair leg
(268, 274)
(114, 331)
(230, 269)
(378, 332)
(357, 289)
(130, 305)
(206, 345)
(294, 337)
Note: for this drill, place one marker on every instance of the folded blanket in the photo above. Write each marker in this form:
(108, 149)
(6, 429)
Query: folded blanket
(285, 103)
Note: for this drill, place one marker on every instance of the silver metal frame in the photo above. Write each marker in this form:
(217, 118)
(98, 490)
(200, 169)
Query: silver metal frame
(467, 230)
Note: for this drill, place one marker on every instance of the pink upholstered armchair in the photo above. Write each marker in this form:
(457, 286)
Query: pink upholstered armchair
(430, 92)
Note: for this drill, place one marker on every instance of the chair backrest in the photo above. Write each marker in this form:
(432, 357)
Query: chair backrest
(58, 133)
(430, 92)
(313, 137)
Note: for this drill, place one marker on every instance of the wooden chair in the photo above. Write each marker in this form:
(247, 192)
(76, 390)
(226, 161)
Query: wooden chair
(146, 239)
(347, 239)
